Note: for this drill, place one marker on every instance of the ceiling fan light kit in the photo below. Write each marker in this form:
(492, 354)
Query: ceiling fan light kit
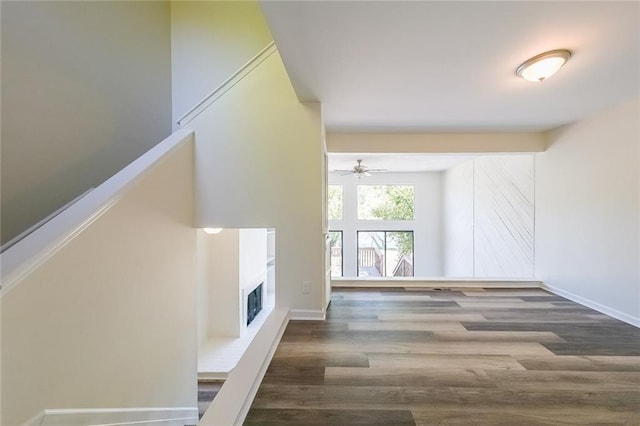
(544, 65)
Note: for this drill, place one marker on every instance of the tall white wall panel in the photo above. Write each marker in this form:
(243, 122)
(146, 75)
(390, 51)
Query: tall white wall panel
(458, 222)
(488, 218)
(503, 219)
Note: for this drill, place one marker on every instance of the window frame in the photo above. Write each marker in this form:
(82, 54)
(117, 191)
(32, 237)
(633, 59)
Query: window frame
(341, 253)
(385, 231)
(359, 185)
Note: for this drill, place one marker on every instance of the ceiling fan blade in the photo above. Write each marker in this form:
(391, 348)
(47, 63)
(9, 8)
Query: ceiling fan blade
(359, 170)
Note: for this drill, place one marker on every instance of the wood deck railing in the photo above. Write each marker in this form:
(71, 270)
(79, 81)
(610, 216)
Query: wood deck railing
(370, 256)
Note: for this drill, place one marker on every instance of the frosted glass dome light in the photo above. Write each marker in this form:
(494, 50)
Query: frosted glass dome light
(212, 231)
(544, 65)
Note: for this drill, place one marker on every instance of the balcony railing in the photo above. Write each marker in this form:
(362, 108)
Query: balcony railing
(371, 262)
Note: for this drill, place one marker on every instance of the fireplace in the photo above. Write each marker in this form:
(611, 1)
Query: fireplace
(254, 303)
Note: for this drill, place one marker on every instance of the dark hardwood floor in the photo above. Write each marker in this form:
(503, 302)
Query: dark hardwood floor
(468, 356)
(207, 391)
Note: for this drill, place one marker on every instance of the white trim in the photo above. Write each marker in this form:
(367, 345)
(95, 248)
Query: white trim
(307, 314)
(232, 403)
(208, 375)
(24, 234)
(218, 356)
(629, 319)
(31, 252)
(35, 420)
(246, 406)
(223, 88)
(164, 416)
(435, 283)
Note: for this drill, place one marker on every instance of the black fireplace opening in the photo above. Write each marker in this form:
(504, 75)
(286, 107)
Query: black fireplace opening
(254, 303)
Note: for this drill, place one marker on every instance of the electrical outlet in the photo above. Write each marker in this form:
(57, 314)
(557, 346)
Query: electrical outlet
(306, 287)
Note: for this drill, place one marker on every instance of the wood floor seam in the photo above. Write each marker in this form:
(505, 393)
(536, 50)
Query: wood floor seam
(393, 356)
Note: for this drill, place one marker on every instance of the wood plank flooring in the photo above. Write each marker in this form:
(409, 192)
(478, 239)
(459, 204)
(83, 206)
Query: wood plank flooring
(207, 391)
(471, 356)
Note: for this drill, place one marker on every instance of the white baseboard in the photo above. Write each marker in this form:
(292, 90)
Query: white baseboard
(307, 314)
(174, 416)
(629, 319)
(435, 283)
(232, 403)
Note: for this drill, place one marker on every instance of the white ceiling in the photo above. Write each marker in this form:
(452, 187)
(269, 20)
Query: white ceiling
(449, 66)
(397, 162)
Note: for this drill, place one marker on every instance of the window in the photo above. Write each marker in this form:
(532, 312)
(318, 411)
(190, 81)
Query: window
(335, 238)
(334, 202)
(385, 202)
(385, 253)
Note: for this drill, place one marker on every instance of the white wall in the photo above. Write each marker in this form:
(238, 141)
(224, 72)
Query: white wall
(503, 216)
(587, 209)
(427, 225)
(86, 89)
(412, 143)
(258, 164)
(110, 320)
(252, 257)
(223, 284)
(203, 268)
(210, 41)
(458, 220)
(235, 260)
(489, 217)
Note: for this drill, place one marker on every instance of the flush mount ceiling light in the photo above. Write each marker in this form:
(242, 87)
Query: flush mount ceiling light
(544, 65)
(212, 231)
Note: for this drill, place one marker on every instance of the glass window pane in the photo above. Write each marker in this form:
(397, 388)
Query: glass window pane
(334, 202)
(335, 238)
(371, 254)
(385, 253)
(385, 202)
(399, 254)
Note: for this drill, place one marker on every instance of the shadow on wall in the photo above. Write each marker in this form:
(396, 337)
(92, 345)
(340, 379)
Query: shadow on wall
(93, 94)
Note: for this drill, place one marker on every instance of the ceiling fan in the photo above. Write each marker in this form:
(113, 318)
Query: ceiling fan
(360, 170)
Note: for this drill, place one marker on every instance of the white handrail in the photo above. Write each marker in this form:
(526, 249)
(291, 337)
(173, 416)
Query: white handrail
(6, 246)
(227, 84)
(36, 248)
